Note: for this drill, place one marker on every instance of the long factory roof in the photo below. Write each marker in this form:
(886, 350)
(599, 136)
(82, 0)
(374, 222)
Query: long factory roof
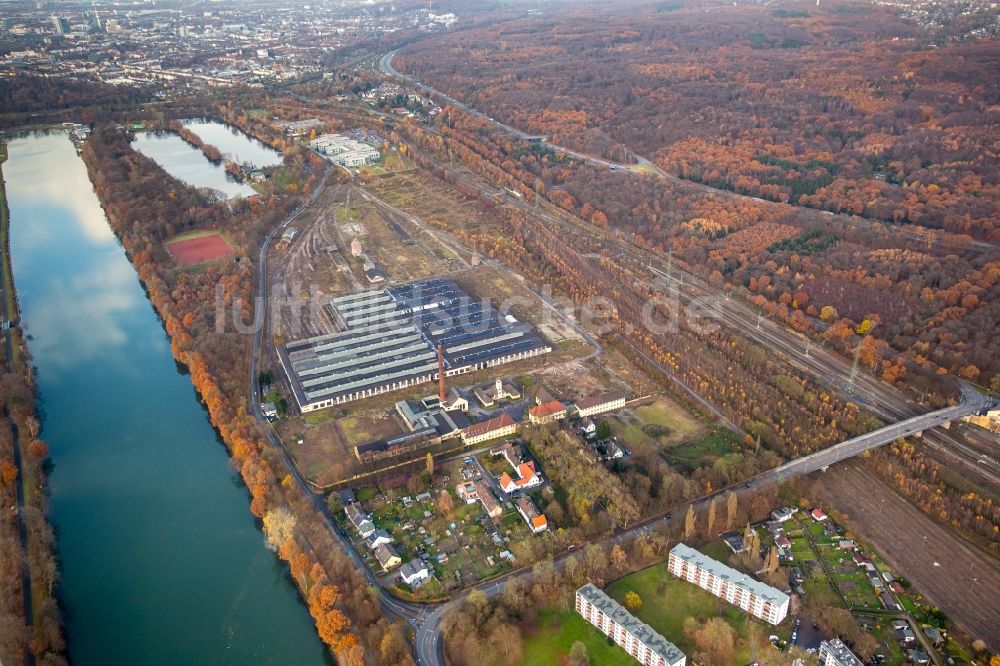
(391, 335)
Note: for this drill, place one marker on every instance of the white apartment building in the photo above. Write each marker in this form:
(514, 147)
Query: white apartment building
(600, 404)
(637, 638)
(737, 588)
(835, 653)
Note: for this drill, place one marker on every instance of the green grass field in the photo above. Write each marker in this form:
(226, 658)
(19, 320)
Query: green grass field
(668, 601)
(704, 451)
(558, 630)
(661, 412)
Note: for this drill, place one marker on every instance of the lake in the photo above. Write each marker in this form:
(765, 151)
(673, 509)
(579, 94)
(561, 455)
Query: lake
(234, 144)
(188, 164)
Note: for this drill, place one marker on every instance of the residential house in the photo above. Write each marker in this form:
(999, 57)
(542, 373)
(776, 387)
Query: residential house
(414, 572)
(818, 515)
(781, 514)
(361, 521)
(378, 538)
(734, 540)
(547, 412)
(527, 478)
(387, 557)
(784, 547)
(478, 491)
(535, 519)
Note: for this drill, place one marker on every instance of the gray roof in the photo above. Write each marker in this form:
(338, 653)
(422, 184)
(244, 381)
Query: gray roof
(643, 632)
(720, 570)
(841, 654)
(384, 553)
(412, 568)
(390, 336)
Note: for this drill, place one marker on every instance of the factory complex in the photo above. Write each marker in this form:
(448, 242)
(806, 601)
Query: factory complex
(393, 338)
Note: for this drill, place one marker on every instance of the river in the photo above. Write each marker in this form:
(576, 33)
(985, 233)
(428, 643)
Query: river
(161, 560)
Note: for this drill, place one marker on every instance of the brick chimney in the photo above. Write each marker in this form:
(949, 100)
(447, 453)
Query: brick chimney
(441, 391)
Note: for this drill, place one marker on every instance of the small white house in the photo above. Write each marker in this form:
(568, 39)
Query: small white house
(378, 538)
(414, 572)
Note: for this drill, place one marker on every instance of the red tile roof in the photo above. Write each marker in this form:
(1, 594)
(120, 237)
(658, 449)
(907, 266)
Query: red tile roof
(550, 408)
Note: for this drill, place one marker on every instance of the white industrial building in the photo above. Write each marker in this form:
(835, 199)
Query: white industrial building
(387, 340)
(345, 151)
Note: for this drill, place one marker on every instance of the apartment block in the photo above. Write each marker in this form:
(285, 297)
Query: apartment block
(760, 600)
(637, 638)
(835, 653)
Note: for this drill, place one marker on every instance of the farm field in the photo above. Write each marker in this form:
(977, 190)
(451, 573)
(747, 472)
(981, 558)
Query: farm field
(198, 247)
(938, 562)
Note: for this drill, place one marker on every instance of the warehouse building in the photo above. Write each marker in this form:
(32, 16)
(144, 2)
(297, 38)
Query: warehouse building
(387, 340)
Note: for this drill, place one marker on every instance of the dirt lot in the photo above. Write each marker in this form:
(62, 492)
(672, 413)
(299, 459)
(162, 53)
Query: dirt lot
(958, 578)
(435, 201)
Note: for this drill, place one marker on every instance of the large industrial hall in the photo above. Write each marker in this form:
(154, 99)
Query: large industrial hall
(388, 339)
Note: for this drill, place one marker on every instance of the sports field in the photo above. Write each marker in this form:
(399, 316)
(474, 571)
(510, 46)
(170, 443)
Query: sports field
(198, 247)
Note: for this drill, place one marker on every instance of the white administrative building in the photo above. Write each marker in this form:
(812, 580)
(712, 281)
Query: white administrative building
(760, 600)
(345, 151)
(638, 639)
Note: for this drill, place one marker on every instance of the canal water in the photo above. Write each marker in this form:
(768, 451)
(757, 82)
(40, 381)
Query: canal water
(161, 560)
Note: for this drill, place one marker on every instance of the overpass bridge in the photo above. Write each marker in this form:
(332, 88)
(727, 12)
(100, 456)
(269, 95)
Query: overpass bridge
(972, 402)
